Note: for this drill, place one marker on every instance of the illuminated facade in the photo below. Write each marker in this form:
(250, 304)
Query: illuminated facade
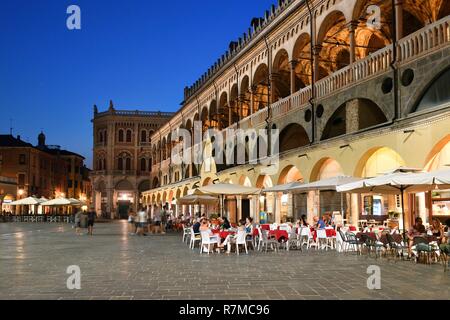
(122, 158)
(355, 87)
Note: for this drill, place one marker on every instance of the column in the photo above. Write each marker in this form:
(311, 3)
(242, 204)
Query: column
(252, 98)
(354, 209)
(352, 116)
(293, 64)
(399, 18)
(351, 28)
(110, 203)
(317, 49)
(239, 209)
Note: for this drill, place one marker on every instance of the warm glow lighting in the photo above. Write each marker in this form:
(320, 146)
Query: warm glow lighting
(84, 208)
(21, 192)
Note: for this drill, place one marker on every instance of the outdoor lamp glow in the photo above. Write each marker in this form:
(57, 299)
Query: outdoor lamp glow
(21, 192)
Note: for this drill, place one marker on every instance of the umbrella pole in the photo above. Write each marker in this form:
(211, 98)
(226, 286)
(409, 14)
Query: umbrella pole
(403, 212)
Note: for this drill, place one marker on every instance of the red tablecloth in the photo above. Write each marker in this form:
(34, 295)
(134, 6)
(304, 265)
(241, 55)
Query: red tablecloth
(352, 228)
(330, 233)
(265, 227)
(223, 234)
(279, 234)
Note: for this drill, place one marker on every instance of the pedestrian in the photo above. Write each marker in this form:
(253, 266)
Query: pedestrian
(90, 221)
(131, 222)
(157, 221)
(142, 220)
(77, 221)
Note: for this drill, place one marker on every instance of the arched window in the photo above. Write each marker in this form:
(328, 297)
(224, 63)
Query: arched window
(100, 137)
(128, 135)
(105, 137)
(120, 135)
(120, 164)
(104, 164)
(143, 165)
(128, 164)
(143, 136)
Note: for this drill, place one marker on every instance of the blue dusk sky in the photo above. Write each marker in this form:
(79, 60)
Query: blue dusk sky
(139, 53)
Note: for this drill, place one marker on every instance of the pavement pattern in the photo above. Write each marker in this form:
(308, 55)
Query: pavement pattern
(115, 266)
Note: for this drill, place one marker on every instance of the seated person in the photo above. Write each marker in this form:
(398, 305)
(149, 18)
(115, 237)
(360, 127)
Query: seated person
(196, 227)
(418, 229)
(319, 223)
(232, 237)
(226, 224)
(249, 225)
(204, 225)
(445, 246)
(437, 229)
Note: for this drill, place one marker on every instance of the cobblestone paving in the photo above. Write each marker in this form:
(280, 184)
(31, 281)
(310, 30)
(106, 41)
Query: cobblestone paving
(34, 259)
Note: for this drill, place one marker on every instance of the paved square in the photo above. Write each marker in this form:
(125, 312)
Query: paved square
(34, 259)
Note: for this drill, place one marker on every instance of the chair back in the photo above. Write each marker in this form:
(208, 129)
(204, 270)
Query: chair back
(205, 236)
(305, 232)
(343, 237)
(321, 234)
(418, 240)
(241, 237)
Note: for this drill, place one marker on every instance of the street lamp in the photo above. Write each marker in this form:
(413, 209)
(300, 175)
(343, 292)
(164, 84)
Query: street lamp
(20, 192)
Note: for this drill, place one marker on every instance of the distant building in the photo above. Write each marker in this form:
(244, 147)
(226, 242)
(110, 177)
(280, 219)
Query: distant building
(42, 170)
(122, 158)
(8, 189)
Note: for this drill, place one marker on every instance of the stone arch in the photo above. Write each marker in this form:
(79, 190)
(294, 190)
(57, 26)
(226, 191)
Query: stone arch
(264, 181)
(378, 160)
(208, 181)
(245, 181)
(222, 116)
(185, 191)
(301, 54)
(293, 136)
(124, 185)
(326, 168)
(281, 75)
(439, 156)
(213, 113)
(245, 96)
(234, 104)
(155, 183)
(260, 87)
(363, 113)
(178, 194)
(435, 93)
(290, 174)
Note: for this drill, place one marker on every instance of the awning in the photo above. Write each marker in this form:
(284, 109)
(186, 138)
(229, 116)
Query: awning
(284, 187)
(229, 189)
(30, 201)
(61, 202)
(329, 184)
(197, 199)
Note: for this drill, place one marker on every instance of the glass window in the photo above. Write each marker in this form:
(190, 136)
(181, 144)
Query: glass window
(437, 94)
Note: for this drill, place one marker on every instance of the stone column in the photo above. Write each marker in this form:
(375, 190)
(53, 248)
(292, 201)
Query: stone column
(351, 28)
(239, 208)
(354, 209)
(274, 78)
(399, 18)
(110, 203)
(352, 116)
(252, 98)
(317, 49)
(293, 64)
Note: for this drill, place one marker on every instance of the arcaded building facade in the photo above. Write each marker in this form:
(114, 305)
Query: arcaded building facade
(122, 158)
(355, 87)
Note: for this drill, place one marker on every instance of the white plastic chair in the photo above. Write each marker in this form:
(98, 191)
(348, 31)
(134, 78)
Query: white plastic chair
(294, 239)
(186, 233)
(207, 240)
(322, 240)
(265, 241)
(241, 239)
(306, 238)
(195, 237)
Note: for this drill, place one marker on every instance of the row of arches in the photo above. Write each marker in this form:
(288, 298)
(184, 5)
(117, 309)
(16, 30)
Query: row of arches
(373, 162)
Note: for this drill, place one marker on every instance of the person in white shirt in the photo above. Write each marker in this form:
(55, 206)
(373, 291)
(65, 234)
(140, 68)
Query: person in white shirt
(142, 221)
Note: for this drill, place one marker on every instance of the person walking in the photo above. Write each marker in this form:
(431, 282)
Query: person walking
(77, 222)
(142, 219)
(90, 221)
(131, 222)
(157, 221)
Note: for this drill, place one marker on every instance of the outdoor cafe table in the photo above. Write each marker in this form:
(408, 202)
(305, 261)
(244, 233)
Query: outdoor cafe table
(279, 234)
(330, 233)
(223, 234)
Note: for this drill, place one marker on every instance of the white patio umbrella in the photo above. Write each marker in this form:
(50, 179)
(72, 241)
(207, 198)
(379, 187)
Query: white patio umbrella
(392, 183)
(226, 189)
(284, 187)
(57, 202)
(197, 199)
(329, 184)
(30, 201)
